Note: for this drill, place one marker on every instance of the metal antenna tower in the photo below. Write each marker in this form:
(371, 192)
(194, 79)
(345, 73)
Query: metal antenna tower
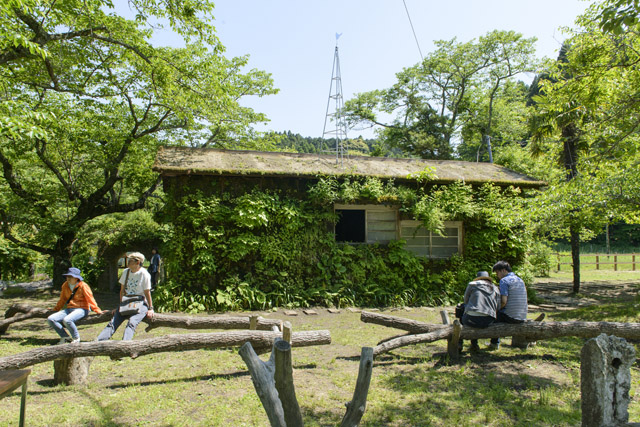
(339, 132)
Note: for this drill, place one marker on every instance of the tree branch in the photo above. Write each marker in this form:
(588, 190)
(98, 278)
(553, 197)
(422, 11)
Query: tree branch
(41, 147)
(12, 180)
(9, 236)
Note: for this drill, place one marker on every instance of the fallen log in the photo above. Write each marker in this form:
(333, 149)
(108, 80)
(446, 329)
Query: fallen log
(20, 312)
(177, 342)
(406, 340)
(413, 326)
(531, 331)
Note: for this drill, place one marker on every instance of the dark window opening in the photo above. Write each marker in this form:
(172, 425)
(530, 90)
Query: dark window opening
(350, 226)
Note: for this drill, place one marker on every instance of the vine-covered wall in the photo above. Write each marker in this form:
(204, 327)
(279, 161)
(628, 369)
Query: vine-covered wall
(239, 244)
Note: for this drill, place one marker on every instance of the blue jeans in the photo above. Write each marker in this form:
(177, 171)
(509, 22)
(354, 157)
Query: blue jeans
(476, 322)
(68, 317)
(503, 318)
(117, 320)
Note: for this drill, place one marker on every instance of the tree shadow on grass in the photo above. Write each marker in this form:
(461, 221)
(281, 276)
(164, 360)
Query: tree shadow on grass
(237, 374)
(468, 396)
(321, 417)
(31, 341)
(105, 412)
(613, 312)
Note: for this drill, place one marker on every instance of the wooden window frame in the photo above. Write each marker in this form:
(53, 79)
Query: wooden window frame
(370, 208)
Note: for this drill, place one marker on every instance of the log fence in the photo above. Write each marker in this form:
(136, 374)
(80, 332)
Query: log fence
(600, 260)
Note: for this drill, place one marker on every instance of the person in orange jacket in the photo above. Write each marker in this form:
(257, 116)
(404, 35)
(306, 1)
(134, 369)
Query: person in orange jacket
(78, 298)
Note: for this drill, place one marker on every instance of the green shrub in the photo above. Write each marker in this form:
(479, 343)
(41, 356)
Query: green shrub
(541, 258)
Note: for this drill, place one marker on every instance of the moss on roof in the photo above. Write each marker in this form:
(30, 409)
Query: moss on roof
(174, 161)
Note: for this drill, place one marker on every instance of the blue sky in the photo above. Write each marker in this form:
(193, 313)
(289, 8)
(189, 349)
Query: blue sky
(294, 40)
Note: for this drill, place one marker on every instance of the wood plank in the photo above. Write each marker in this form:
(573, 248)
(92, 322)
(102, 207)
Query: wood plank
(11, 380)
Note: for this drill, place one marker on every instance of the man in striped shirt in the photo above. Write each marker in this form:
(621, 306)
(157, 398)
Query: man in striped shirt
(513, 297)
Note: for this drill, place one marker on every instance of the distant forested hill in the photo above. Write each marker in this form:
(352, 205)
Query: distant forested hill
(295, 142)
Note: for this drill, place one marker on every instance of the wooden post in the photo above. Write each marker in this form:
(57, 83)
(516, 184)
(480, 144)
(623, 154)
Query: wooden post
(633, 262)
(358, 404)
(445, 317)
(558, 257)
(284, 383)
(264, 383)
(597, 262)
(615, 263)
(253, 322)
(453, 347)
(286, 331)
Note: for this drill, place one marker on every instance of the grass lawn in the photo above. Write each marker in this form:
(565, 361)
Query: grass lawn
(412, 386)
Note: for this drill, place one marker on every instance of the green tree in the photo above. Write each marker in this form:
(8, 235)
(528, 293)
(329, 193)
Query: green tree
(87, 101)
(589, 106)
(432, 100)
(509, 123)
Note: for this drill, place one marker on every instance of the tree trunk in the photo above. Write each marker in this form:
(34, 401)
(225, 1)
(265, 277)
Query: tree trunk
(62, 257)
(575, 257)
(531, 331)
(159, 320)
(570, 162)
(178, 342)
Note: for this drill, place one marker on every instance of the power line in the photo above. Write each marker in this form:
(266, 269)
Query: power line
(412, 29)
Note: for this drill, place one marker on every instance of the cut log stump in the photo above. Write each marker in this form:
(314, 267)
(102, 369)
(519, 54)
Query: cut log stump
(72, 370)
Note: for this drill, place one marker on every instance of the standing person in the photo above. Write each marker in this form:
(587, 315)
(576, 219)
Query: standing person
(135, 280)
(154, 267)
(481, 299)
(513, 297)
(78, 298)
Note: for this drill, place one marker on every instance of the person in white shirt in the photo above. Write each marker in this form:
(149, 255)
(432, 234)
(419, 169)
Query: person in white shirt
(135, 280)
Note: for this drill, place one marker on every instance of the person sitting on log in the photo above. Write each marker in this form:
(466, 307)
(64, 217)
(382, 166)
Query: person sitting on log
(513, 297)
(78, 298)
(135, 280)
(481, 299)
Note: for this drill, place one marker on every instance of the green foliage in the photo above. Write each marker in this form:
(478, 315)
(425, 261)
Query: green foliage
(15, 262)
(456, 84)
(88, 100)
(268, 249)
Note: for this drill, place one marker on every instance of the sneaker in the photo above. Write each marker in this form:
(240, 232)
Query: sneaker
(75, 340)
(64, 340)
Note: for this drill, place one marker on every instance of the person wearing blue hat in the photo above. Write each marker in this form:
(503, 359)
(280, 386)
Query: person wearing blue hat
(77, 299)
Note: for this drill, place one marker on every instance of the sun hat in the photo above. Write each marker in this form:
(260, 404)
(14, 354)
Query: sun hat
(137, 256)
(74, 272)
(483, 275)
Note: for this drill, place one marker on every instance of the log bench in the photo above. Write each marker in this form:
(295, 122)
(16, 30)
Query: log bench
(72, 361)
(422, 332)
(21, 312)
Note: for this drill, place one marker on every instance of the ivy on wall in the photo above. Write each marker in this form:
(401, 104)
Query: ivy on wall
(272, 248)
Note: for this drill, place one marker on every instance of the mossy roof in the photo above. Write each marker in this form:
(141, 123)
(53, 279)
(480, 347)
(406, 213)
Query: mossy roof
(175, 161)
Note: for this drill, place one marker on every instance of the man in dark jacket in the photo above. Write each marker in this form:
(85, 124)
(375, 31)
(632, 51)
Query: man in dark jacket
(481, 300)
